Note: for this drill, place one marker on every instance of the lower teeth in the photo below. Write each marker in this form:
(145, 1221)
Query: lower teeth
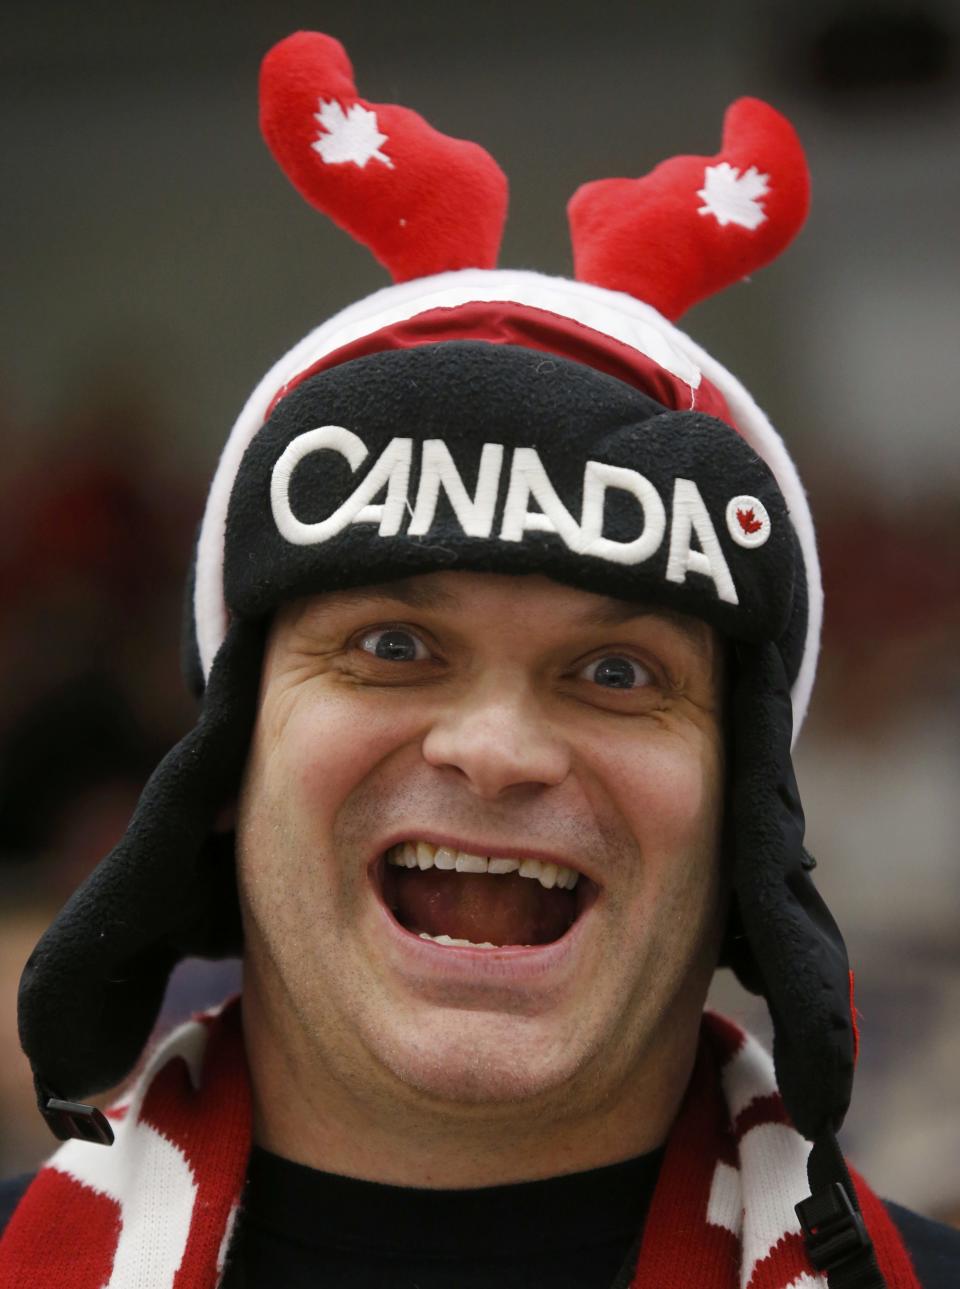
(462, 944)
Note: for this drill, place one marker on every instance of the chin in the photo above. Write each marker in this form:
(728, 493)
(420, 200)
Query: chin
(478, 1059)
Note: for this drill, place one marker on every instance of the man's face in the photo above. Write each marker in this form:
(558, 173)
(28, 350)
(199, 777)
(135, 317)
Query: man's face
(461, 721)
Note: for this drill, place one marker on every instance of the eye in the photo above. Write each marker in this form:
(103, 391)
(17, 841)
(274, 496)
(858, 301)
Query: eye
(614, 671)
(395, 645)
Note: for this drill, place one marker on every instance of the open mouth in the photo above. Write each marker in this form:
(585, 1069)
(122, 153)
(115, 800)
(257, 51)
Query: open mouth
(481, 901)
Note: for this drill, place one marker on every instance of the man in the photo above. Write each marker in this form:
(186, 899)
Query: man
(505, 605)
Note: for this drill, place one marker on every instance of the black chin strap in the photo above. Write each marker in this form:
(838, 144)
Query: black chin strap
(837, 1240)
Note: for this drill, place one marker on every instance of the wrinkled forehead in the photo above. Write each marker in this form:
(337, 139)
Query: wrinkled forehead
(492, 459)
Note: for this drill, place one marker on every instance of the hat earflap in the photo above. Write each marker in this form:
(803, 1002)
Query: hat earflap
(792, 952)
(796, 955)
(92, 988)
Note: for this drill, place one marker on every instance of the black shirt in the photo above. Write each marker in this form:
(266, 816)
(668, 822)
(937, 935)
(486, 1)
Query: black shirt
(300, 1227)
(934, 1248)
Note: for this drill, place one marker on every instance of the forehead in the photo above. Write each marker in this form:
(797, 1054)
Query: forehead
(483, 602)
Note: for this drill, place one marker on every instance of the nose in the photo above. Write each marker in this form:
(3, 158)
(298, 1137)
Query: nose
(497, 738)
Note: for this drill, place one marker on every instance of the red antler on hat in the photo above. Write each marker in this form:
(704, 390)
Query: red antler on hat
(420, 200)
(693, 225)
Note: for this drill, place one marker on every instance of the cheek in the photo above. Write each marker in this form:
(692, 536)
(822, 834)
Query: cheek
(667, 788)
(328, 744)
(664, 793)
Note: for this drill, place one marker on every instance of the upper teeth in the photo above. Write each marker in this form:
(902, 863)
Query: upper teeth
(421, 854)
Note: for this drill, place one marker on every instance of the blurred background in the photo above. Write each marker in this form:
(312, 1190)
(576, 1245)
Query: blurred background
(156, 262)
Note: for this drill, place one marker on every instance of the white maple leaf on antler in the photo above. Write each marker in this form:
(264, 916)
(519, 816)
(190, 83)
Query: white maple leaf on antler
(732, 197)
(353, 135)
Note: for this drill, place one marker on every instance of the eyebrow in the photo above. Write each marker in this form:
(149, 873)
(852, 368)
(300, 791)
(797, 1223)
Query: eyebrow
(617, 612)
(403, 591)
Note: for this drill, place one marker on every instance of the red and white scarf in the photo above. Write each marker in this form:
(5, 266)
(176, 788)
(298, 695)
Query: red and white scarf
(157, 1209)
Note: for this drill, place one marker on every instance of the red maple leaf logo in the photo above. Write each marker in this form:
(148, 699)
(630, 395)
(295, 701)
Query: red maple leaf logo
(748, 521)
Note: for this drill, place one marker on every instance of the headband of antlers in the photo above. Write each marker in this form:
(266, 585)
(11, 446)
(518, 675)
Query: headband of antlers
(424, 202)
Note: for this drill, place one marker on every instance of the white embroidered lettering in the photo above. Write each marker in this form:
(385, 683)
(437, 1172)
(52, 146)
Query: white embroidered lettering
(437, 469)
(689, 516)
(528, 479)
(746, 518)
(597, 478)
(332, 438)
(390, 471)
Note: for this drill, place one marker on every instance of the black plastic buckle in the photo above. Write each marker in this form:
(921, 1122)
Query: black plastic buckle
(67, 1119)
(833, 1230)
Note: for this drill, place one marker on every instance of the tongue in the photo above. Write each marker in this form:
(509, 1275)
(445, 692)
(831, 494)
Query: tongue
(503, 909)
